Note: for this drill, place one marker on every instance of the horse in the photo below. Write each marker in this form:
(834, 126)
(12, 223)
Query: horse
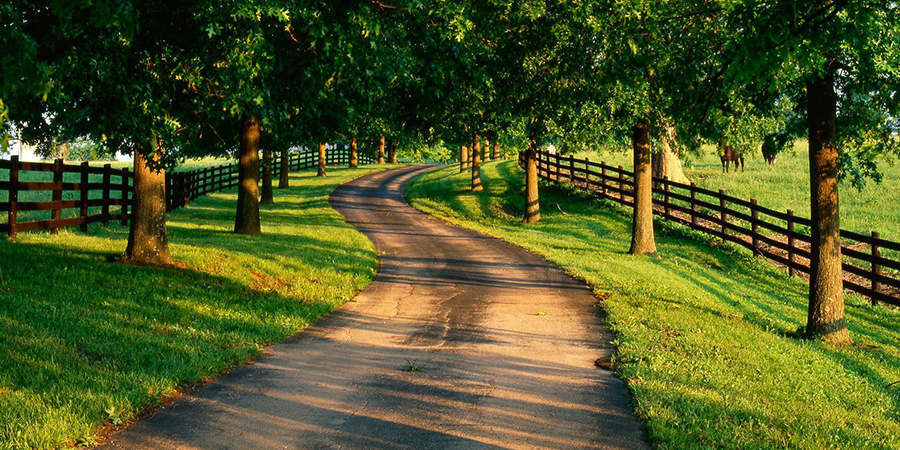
(773, 144)
(728, 155)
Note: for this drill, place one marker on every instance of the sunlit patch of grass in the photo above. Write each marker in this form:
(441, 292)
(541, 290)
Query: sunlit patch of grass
(707, 335)
(85, 342)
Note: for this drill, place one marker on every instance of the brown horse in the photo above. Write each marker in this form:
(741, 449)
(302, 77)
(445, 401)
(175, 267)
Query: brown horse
(728, 156)
(772, 145)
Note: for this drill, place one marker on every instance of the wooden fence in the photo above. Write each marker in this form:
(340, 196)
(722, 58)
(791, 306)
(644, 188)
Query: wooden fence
(81, 194)
(779, 236)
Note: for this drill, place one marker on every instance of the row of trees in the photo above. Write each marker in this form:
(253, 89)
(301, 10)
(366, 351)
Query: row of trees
(658, 72)
(166, 79)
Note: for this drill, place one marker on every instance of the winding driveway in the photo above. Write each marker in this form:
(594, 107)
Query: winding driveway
(504, 341)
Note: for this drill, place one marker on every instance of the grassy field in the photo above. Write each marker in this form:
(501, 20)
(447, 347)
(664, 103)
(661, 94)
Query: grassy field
(85, 342)
(707, 336)
(786, 186)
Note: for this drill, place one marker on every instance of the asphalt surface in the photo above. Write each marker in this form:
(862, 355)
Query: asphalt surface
(504, 341)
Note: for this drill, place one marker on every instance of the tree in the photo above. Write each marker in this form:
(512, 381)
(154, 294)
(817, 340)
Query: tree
(119, 81)
(148, 238)
(828, 59)
(247, 216)
(463, 158)
(381, 150)
(284, 180)
(322, 160)
(532, 200)
(354, 154)
(392, 152)
(267, 197)
(667, 161)
(642, 239)
(476, 163)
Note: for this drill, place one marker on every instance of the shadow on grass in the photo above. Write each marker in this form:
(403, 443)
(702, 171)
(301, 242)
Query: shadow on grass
(82, 336)
(707, 334)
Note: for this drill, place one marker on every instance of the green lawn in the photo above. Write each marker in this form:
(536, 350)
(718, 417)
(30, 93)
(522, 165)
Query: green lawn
(707, 336)
(786, 186)
(86, 342)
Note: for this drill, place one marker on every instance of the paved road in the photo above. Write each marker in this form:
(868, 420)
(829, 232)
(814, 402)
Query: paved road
(506, 344)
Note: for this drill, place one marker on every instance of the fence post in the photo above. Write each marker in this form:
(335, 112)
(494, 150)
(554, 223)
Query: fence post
(603, 178)
(572, 170)
(587, 172)
(13, 214)
(876, 268)
(186, 186)
(722, 215)
(107, 180)
(693, 204)
(621, 184)
(665, 185)
(56, 196)
(790, 227)
(125, 196)
(85, 192)
(754, 226)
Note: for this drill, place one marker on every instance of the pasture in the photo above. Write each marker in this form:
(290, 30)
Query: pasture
(786, 186)
(87, 341)
(708, 337)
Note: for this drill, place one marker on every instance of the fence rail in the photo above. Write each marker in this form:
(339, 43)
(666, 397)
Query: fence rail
(81, 194)
(779, 236)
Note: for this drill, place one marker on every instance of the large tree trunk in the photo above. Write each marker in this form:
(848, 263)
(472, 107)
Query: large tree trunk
(642, 239)
(486, 151)
(826, 292)
(284, 175)
(267, 196)
(246, 220)
(381, 150)
(476, 164)
(148, 239)
(666, 163)
(392, 152)
(354, 154)
(323, 159)
(532, 204)
(495, 152)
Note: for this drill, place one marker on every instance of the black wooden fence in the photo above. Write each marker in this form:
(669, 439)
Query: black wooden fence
(779, 236)
(81, 194)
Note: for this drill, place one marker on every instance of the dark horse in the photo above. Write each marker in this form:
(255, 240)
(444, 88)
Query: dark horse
(772, 145)
(728, 155)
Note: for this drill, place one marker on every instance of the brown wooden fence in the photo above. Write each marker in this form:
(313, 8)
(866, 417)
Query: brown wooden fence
(779, 236)
(56, 195)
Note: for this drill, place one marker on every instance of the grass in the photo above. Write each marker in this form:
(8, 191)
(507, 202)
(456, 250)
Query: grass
(85, 342)
(786, 186)
(706, 336)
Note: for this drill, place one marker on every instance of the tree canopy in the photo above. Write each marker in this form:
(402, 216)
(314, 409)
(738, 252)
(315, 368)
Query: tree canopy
(171, 79)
